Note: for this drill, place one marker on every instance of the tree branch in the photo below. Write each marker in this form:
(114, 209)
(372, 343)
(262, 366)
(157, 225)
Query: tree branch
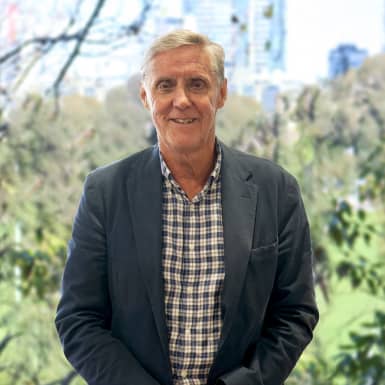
(105, 33)
(78, 44)
(44, 42)
(6, 340)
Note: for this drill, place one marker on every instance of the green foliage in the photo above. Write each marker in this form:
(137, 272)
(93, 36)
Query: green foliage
(44, 159)
(372, 174)
(362, 361)
(346, 228)
(331, 138)
(340, 165)
(315, 371)
(29, 350)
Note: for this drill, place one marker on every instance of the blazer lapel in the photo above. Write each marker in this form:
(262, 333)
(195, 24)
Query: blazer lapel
(239, 202)
(145, 197)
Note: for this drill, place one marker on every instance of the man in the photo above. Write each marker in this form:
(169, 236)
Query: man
(190, 263)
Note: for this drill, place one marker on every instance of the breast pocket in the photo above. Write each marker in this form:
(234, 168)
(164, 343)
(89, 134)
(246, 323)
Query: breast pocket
(262, 269)
(265, 251)
(263, 264)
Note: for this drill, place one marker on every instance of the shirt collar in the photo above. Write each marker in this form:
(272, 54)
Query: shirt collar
(212, 179)
(214, 175)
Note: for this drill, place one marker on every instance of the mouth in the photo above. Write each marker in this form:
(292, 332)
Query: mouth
(183, 121)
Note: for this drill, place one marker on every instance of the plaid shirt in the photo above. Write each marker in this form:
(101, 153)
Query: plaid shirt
(193, 273)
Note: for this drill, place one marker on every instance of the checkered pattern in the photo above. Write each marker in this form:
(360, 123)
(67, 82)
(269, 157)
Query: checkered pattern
(193, 272)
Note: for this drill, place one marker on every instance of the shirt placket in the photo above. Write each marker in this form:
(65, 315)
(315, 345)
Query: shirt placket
(186, 302)
(176, 244)
(188, 295)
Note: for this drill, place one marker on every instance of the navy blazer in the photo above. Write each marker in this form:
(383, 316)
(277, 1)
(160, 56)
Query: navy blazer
(111, 317)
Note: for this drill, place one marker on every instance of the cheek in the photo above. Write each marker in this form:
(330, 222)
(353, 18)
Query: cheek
(211, 110)
(158, 109)
(213, 103)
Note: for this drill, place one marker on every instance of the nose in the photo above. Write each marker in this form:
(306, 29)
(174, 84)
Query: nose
(181, 98)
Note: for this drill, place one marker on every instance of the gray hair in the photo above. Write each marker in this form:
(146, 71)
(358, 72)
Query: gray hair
(183, 37)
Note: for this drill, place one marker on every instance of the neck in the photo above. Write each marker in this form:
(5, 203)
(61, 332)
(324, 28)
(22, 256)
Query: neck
(191, 170)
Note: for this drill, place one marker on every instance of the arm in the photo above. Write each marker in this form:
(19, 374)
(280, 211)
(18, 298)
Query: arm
(84, 311)
(292, 312)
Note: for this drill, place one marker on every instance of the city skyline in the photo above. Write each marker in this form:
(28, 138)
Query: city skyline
(317, 27)
(313, 30)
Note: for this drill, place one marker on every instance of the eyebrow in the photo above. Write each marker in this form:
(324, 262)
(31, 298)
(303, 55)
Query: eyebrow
(162, 79)
(192, 77)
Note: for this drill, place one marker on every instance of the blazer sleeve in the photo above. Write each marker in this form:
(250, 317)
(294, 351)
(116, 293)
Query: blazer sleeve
(84, 312)
(292, 312)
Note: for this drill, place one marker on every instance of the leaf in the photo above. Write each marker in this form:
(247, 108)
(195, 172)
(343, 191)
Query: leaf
(361, 214)
(344, 268)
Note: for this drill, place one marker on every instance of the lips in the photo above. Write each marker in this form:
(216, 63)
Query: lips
(183, 121)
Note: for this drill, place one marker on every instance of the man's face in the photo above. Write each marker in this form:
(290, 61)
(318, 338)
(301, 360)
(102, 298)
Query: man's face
(182, 94)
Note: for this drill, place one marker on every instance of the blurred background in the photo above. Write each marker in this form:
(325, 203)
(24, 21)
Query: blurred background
(307, 90)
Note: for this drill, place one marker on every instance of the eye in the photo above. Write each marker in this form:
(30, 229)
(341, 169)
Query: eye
(164, 85)
(198, 84)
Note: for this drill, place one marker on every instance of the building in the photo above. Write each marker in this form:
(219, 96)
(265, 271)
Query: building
(264, 46)
(266, 35)
(214, 19)
(252, 32)
(344, 57)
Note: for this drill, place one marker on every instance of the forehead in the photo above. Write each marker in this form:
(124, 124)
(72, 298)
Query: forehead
(181, 61)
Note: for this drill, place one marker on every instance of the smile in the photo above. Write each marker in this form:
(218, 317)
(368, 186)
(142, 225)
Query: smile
(183, 121)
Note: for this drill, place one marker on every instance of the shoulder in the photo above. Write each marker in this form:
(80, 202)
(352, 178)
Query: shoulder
(263, 172)
(118, 171)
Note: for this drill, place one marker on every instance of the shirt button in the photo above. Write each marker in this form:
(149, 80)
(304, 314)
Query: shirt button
(183, 373)
(190, 289)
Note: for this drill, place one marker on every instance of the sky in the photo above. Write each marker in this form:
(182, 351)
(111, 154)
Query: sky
(314, 27)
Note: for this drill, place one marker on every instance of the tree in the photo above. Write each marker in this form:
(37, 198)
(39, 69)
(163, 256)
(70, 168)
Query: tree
(44, 159)
(93, 30)
(339, 161)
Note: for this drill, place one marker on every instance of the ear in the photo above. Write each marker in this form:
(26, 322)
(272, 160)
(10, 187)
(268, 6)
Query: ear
(143, 97)
(222, 94)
